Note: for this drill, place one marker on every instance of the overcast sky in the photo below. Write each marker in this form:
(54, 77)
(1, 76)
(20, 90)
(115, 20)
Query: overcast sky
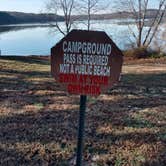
(36, 6)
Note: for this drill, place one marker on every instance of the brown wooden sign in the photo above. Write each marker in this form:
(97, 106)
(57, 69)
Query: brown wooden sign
(86, 62)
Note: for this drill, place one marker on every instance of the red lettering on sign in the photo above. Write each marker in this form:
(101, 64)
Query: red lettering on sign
(99, 80)
(83, 79)
(67, 78)
(83, 89)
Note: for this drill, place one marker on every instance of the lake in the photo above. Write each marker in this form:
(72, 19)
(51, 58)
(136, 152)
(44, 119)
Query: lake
(37, 39)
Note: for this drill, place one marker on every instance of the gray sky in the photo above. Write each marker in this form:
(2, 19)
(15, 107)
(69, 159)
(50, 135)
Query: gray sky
(36, 6)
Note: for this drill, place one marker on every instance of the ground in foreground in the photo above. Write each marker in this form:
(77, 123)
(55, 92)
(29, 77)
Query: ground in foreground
(38, 121)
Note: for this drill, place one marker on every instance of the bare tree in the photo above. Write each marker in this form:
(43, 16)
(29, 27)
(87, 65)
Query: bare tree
(159, 41)
(71, 9)
(91, 7)
(65, 9)
(140, 12)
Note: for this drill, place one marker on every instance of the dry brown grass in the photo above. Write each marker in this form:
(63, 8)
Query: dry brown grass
(38, 121)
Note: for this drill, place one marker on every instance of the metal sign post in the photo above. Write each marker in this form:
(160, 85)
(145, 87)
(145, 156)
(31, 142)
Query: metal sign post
(81, 130)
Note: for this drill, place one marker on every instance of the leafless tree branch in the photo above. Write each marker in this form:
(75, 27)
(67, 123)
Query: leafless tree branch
(139, 10)
(64, 8)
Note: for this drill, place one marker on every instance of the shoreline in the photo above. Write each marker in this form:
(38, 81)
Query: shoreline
(127, 60)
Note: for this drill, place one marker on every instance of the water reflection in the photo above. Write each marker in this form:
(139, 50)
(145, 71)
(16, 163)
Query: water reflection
(36, 39)
(15, 27)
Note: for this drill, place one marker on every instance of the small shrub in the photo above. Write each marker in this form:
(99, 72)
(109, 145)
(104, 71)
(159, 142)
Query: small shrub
(137, 53)
(143, 52)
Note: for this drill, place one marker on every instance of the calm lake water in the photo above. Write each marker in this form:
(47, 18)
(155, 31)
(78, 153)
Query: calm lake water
(37, 39)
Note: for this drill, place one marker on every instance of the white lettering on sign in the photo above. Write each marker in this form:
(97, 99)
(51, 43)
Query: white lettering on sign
(87, 48)
(64, 68)
(84, 70)
(101, 71)
(95, 60)
(69, 58)
(86, 58)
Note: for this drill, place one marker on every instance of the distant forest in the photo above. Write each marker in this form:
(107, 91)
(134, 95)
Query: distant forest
(20, 17)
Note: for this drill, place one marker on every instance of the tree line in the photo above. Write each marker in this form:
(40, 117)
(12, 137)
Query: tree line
(137, 8)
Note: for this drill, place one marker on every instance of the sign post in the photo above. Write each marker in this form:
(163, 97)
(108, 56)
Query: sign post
(81, 130)
(85, 63)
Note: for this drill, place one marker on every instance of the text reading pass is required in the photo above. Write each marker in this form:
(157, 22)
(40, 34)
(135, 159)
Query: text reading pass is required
(86, 58)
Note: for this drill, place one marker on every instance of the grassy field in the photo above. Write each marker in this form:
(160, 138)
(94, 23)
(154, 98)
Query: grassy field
(38, 121)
